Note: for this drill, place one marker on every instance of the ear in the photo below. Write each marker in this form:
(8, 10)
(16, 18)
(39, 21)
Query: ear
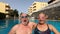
(19, 18)
(46, 16)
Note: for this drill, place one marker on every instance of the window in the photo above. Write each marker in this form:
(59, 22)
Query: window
(7, 6)
(34, 4)
(34, 7)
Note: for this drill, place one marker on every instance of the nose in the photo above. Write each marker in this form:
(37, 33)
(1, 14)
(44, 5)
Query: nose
(42, 17)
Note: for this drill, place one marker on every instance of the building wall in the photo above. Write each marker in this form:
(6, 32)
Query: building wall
(36, 6)
(2, 7)
(5, 8)
(30, 9)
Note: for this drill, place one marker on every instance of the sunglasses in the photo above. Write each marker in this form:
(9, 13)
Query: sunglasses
(24, 16)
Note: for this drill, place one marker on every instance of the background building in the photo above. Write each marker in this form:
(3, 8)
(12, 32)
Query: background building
(52, 10)
(7, 12)
(36, 6)
(5, 9)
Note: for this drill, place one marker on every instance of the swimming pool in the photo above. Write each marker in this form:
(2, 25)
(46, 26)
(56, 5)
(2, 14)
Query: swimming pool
(8, 24)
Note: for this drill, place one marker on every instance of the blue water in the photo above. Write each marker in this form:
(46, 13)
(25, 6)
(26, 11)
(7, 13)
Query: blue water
(11, 23)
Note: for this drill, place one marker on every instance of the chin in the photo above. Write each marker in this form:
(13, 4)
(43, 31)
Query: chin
(42, 20)
(41, 23)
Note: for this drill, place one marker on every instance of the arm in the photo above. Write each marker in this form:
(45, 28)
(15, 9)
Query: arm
(13, 30)
(34, 25)
(54, 30)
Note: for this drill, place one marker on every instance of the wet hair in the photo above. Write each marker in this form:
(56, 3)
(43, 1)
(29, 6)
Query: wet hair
(20, 16)
(22, 13)
(43, 13)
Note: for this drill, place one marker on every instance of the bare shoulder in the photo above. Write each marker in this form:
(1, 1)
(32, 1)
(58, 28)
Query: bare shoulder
(51, 27)
(15, 27)
(32, 23)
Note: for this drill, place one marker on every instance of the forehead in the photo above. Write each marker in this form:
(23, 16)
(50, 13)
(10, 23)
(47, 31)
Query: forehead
(42, 14)
(23, 14)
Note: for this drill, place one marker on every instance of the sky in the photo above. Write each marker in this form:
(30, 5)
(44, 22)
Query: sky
(21, 5)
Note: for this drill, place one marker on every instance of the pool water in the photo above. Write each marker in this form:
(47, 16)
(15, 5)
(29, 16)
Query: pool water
(6, 25)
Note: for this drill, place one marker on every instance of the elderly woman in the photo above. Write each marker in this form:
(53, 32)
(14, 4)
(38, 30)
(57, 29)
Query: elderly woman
(44, 28)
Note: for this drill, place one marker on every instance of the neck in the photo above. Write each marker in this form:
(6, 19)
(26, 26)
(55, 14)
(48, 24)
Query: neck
(25, 23)
(42, 22)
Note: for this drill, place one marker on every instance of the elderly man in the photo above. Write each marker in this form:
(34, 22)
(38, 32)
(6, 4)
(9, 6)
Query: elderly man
(25, 27)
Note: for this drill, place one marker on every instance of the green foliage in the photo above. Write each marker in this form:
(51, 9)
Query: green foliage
(14, 13)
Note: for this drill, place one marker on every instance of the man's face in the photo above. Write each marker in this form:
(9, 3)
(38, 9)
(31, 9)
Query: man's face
(24, 19)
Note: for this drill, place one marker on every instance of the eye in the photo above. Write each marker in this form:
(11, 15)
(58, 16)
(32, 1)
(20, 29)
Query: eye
(22, 17)
(26, 16)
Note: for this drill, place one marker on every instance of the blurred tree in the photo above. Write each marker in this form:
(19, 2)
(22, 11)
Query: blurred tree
(15, 12)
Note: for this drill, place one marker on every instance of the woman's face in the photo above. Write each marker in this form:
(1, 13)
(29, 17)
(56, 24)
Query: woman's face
(42, 17)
